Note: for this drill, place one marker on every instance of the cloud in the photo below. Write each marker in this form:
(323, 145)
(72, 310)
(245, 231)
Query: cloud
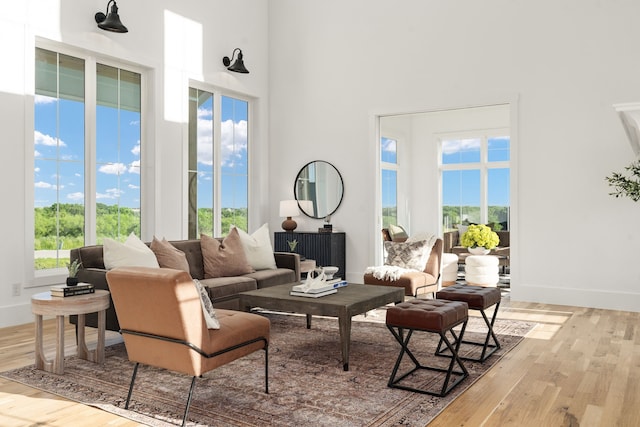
(134, 167)
(41, 139)
(134, 187)
(45, 185)
(75, 196)
(111, 193)
(234, 141)
(136, 150)
(389, 145)
(453, 146)
(113, 168)
(42, 100)
(205, 137)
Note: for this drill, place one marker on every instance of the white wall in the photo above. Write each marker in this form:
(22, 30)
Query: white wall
(174, 42)
(334, 65)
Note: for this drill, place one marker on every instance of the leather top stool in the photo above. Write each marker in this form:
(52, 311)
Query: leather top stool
(435, 316)
(478, 298)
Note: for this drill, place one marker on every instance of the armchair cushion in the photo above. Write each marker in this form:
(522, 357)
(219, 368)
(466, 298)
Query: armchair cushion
(411, 255)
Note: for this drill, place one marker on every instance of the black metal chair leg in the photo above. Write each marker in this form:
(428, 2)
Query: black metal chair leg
(266, 370)
(186, 409)
(133, 379)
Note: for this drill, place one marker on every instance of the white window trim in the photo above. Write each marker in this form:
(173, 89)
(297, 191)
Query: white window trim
(37, 278)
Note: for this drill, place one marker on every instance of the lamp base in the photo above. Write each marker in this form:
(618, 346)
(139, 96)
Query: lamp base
(289, 224)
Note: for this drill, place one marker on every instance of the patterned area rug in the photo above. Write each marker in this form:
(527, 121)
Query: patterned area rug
(306, 382)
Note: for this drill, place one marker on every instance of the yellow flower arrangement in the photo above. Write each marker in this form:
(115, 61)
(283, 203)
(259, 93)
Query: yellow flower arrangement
(479, 235)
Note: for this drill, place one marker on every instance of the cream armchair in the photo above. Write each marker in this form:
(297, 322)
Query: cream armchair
(163, 325)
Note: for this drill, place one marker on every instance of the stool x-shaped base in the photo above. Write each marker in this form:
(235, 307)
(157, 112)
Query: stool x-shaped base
(447, 385)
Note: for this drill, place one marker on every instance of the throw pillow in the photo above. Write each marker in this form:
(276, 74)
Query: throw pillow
(411, 255)
(257, 248)
(132, 253)
(397, 233)
(224, 259)
(169, 256)
(207, 307)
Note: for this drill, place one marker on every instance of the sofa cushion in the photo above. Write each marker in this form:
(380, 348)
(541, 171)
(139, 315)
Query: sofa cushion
(257, 248)
(132, 253)
(267, 278)
(169, 256)
(226, 258)
(222, 289)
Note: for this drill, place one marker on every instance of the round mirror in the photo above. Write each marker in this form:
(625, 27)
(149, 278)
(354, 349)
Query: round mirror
(318, 189)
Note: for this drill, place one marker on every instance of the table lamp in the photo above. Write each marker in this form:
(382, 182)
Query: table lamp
(289, 208)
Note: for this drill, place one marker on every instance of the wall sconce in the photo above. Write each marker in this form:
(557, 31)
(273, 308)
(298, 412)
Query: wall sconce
(238, 66)
(111, 21)
(289, 208)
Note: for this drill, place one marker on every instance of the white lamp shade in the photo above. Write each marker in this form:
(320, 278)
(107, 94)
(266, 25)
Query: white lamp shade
(289, 208)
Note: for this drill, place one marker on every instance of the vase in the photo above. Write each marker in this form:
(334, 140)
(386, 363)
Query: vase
(478, 250)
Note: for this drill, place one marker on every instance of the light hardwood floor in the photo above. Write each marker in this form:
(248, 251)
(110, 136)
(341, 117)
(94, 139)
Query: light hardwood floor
(579, 367)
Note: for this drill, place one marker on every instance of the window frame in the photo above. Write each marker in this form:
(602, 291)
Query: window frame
(218, 93)
(484, 135)
(38, 278)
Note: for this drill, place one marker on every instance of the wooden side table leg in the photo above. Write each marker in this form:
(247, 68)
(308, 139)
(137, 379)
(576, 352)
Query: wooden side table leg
(102, 326)
(41, 361)
(82, 351)
(58, 363)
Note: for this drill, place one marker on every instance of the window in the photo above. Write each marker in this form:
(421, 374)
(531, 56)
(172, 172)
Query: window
(74, 192)
(218, 184)
(389, 180)
(475, 180)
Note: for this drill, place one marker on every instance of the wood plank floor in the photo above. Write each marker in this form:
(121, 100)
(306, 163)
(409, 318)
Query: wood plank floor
(579, 367)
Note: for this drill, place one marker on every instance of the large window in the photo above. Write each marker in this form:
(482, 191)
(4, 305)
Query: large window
(218, 163)
(475, 180)
(81, 198)
(389, 180)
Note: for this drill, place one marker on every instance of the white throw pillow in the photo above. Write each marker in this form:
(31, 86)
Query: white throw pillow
(207, 307)
(132, 253)
(257, 248)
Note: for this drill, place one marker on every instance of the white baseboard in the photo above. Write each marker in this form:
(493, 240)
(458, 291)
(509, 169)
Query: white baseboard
(601, 298)
(13, 315)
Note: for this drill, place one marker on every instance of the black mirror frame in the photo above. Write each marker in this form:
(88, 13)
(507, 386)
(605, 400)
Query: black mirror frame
(295, 190)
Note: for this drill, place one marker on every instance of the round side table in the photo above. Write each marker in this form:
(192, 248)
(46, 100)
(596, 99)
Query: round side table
(43, 304)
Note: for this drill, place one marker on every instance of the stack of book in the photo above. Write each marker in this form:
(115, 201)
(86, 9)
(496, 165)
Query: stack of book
(69, 291)
(330, 287)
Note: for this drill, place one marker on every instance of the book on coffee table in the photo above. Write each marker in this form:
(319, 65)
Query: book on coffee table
(313, 294)
(68, 291)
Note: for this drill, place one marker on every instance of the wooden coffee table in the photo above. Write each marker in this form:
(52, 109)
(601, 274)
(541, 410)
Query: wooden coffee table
(349, 301)
(43, 304)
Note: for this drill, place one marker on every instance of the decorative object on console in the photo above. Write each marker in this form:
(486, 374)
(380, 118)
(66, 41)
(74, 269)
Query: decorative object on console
(110, 21)
(288, 209)
(327, 228)
(479, 236)
(238, 66)
(73, 268)
(292, 245)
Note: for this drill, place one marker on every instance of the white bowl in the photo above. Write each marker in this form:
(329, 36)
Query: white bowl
(329, 271)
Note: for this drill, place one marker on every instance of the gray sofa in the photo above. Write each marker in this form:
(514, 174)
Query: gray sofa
(223, 291)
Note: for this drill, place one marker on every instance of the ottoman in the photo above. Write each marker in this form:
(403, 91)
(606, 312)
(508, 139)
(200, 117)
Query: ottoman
(481, 270)
(433, 316)
(478, 298)
(449, 269)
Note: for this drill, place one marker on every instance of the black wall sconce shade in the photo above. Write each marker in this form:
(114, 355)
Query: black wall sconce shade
(238, 66)
(111, 21)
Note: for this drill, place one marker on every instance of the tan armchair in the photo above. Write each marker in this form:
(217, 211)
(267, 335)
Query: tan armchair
(416, 282)
(163, 325)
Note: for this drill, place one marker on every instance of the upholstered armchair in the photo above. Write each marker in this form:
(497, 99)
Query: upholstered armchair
(415, 282)
(163, 325)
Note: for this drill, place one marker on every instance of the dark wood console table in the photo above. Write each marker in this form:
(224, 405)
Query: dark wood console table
(325, 248)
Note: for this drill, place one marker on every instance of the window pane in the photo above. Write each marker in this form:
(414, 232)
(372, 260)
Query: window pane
(389, 197)
(201, 179)
(460, 197)
(498, 198)
(117, 153)
(461, 151)
(499, 149)
(59, 158)
(389, 150)
(234, 163)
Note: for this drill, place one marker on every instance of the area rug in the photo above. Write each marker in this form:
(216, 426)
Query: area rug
(306, 382)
